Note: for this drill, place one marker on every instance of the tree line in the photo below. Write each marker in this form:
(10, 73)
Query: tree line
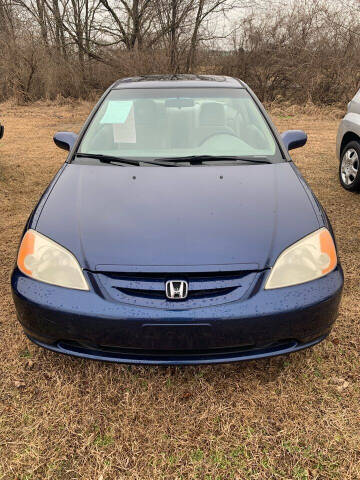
(298, 51)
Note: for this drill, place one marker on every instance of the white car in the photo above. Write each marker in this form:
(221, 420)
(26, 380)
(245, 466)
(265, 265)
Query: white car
(348, 146)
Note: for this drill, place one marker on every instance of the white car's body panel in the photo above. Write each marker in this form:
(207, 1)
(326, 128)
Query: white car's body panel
(349, 127)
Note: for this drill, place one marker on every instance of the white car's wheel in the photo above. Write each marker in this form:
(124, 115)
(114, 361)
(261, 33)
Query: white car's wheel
(349, 171)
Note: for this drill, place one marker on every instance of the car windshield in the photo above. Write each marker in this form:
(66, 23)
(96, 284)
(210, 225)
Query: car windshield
(171, 124)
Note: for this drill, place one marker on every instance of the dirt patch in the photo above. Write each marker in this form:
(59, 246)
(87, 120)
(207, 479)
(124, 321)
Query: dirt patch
(294, 417)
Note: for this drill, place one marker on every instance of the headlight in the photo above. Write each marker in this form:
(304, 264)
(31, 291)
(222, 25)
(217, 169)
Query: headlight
(43, 259)
(311, 257)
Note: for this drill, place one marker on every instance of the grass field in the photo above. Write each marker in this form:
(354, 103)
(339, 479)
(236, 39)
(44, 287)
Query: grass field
(295, 417)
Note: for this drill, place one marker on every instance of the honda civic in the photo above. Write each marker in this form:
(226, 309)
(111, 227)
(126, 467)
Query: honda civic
(178, 231)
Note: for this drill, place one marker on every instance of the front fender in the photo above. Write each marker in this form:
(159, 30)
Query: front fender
(350, 124)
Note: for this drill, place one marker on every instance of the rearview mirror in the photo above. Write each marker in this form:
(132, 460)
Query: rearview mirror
(65, 140)
(294, 139)
(1, 131)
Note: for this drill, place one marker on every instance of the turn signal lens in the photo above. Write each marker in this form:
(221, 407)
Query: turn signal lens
(43, 259)
(311, 257)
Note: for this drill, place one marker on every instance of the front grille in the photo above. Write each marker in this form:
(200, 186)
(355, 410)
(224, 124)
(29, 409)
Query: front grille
(211, 292)
(148, 289)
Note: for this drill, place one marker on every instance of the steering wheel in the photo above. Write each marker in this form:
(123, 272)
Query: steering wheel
(216, 134)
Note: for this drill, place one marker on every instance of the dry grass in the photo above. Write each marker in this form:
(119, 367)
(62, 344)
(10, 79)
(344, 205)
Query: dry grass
(293, 417)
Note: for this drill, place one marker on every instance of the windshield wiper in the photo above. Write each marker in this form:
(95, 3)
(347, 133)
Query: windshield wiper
(172, 161)
(199, 159)
(128, 161)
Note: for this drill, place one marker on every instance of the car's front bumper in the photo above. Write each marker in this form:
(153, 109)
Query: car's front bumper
(266, 323)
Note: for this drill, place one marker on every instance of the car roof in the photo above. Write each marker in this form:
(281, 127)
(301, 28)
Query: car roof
(178, 81)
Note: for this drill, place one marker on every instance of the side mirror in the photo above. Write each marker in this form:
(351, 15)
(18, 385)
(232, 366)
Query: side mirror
(2, 129)
(65, 140)
(294, 139)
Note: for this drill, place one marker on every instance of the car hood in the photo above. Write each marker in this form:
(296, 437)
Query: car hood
(177, 219)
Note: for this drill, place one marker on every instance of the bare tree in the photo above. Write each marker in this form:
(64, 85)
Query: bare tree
(128, 21)
(303, 50)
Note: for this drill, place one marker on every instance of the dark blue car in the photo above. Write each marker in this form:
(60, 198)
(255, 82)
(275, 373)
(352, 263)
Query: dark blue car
(178, 231)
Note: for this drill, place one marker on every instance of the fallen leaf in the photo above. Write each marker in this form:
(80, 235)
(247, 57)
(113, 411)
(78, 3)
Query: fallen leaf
(186, 395)
(342, 387)
(19, 384)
